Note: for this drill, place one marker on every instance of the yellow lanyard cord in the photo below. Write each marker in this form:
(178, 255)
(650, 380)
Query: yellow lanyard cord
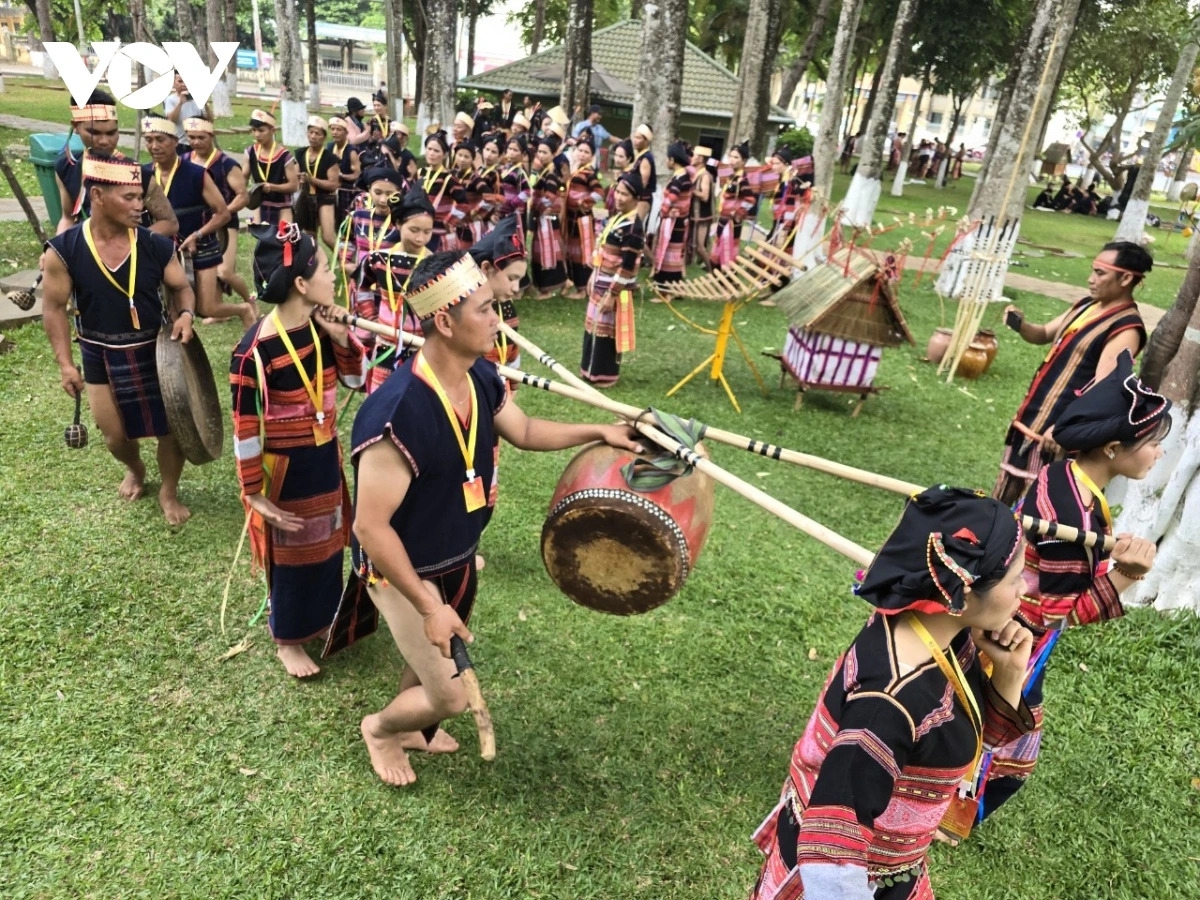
(614, 224)
(262, 173)
(128, 292)
(372, 243)
(216, 152)
(467, 446)
(429, 179)
(166, 188)
(1097, 494)
(312, 167)
(954, 674)
(317, 396)
(391, 293)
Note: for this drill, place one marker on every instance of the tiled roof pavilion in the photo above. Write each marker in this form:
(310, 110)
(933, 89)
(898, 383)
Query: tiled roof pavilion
(708, 87)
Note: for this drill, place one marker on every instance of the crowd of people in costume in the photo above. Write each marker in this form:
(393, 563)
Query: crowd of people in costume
(914, 738)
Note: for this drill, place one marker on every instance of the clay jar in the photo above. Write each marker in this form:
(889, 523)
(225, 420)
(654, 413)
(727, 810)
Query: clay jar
(974, 361)
(939, 341)
(987, 339)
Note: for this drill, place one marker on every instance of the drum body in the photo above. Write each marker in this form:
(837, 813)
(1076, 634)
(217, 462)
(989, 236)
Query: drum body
(618, 550)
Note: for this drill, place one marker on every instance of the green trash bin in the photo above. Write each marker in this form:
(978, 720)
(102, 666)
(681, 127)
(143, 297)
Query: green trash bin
(43, 151)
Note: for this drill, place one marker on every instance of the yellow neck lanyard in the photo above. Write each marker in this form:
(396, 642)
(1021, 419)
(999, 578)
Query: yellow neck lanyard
(338, 151)
(391, 294)
(311, 166)
(1085, 318)
(166, 188)
(216, 152)
(258, 161)
(429, 179)
(372, 243)
(1098, 495)
(128, 292)
(466, 446)
(384, 125)
(954, 674)
(614, 224)
(317, 394)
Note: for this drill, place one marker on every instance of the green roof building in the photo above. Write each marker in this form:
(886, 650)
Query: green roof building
(706, 101)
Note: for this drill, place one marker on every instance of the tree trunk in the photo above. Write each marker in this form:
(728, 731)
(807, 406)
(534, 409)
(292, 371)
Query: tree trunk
(635, 8)
(291, 73)
(660, 85)
(796, 70)
(472, 21)
(314, 57)
(959, 102)
(1182, 168)
(761, 137)
(1133, 219)
(539, 26)
(184, 21)
(1001, 196)
(437, 87)
(872, 94)
(1168, 334)
(577, 65)
(1165, 506)
(393, 12)
(743, 124)
(214, 14)
(858, 209)
(231, 32)
(905, 151)
(825, 151)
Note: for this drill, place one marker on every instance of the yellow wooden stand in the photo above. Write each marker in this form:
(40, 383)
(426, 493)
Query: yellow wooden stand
(724, 332)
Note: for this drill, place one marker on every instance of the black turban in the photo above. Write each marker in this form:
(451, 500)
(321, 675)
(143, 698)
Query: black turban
(383, 173)
(678, 152)
(784, 155)
(551, 141)
(414, 203)
(947, 539)
(503, 243)
(1117, 408)
(627, 146)
(743, 149)
(282, 255)
(633, 180)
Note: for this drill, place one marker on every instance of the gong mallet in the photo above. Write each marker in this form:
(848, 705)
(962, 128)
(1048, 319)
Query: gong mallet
(75, 434)
(475, 701)
(817, 463)
(1066, 533)
(24, 300)
(811, 527)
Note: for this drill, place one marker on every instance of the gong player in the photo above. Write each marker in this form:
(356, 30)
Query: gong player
(115, 269)
(424, 453)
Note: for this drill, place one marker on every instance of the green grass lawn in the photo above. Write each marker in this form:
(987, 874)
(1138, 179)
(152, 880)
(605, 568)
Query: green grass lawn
(636, 756)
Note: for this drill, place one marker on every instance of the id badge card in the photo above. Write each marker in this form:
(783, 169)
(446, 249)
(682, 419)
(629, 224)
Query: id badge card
(960, 817)
(474, 495)
(322, 432)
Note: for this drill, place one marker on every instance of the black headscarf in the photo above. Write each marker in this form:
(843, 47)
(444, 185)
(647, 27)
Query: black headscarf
(551, 141)
(633, 180)
(784, 155)
(414, 203)
(947, 539)
(678, 152)
(743, 149)
(383, 173)
(1117, 408)
(439, 138)
(282, 255)
(627, 146)
(502, 244)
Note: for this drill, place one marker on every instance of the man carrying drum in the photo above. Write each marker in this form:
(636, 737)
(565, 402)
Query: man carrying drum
(115, 269)
(424, 450)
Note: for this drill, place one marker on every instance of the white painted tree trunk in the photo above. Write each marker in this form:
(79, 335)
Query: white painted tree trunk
(293, 113)
(659, 89)
(46, 33)
(437, 88)
(858, 209)
(829, 134)
(906, 150)
(1000, 195)
(222, 101)
(1133, 219)
(1181, 175)
(577, 67)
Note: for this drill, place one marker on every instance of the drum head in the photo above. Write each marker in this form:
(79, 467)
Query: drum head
(613, 551)
(190, 397)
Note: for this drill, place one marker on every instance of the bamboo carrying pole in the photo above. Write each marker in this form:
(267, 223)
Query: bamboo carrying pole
(817, 463)
(813, 529)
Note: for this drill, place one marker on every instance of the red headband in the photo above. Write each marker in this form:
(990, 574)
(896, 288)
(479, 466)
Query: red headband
(1097, 264)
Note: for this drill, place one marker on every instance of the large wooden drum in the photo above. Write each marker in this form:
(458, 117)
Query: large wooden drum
(618, 550)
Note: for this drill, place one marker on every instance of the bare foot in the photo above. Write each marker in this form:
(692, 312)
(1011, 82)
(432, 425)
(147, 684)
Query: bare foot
(942, 838)
(441, 743)
(133, 486)
(296, 660)
(175, 511)
(249, 315)
(480, 562)
(388, 758)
